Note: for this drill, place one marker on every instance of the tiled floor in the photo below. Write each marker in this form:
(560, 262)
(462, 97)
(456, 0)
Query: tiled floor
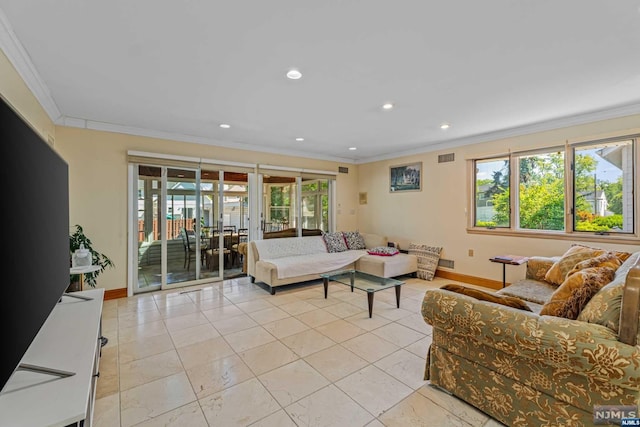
(231, 354)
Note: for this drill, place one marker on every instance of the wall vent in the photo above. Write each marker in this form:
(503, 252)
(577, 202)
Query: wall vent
(448, 263)
(343, 169)
(443, 158)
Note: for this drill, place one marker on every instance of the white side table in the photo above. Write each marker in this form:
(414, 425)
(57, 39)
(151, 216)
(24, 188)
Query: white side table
(82, 270)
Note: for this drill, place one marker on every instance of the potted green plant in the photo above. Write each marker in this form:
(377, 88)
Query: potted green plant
(76, 239)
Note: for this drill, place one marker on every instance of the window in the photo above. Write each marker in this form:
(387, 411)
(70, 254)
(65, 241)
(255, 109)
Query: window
(603, 182)
(492, 192)
(540, 204)
(589, 191)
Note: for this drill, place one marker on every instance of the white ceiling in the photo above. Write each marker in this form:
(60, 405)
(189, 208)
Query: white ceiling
(177, 69)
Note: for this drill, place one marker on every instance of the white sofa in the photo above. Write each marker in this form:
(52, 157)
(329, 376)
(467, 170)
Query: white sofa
(288, 260)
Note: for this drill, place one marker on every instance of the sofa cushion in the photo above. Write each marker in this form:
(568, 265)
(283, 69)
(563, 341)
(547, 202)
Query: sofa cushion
(335, 242)
(607, 259)
(576, 253)
(604, 308)
(383, 251)
(488, 296)
(354, 240)
(576, 291)
(530, 290)
(428, 257)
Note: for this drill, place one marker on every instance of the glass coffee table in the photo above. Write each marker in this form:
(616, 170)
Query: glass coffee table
(363, 281)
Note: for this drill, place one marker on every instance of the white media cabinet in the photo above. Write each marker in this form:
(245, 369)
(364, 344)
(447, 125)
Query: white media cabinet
(69, 341)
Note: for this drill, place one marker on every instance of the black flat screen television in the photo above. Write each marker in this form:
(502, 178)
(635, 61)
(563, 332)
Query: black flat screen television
(35, 235)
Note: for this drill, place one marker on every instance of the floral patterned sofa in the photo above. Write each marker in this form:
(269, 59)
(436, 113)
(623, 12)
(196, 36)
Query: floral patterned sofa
(527, 369)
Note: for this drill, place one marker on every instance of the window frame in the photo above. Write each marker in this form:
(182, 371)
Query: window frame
(569, 197)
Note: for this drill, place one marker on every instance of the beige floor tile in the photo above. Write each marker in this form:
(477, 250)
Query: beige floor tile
(373, 389)
(336, 362)
(112, 338)
(178, 310)
(194, 334)
(149, 369)
(138, 332)
(109, 361)
(155, 398)
(376, 423)
(370, 347)
(404, 366)
(278, 419)
(136, 305)
(107, 385)
(340, 330)
(320, 301)
(109, 325)
(417, 410)
(398, 334)
(188, 415)
(218, 374)
(255, 305)
(204, 351)
(131, 319)
(186, 321)
(363, 321)
(454, 405)
(307, 342)
(282, 298)
(234, 324)
(390, 311)
(171, 300)
(298, 307)
(285, 327)
(144, 347)
(249, 338)
(106, 412)
(412, 305)
(268, 357)
(328, 407)
(417, 323)
(420, 347)
(222, 408)
(292, 382)
(316, 317)
(213, 303)
(268, 315)
(343, 309)
(222, 313)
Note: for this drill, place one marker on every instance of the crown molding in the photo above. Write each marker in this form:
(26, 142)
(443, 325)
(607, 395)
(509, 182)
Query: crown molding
(20, 60)
(171, 136)
(563, 122)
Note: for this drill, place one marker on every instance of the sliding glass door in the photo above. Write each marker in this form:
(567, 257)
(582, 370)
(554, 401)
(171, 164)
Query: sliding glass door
(189, 223)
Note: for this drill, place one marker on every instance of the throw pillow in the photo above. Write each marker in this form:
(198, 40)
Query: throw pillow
(607, 259)
(576, 291)
(576, 253)
(354, 239)
(383, 251)
(335, 242)
(488, 296)
(428, 257)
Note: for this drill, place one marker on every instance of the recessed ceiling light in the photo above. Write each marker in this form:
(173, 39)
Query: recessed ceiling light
(353, 148)
(224, 126)
(445, 126)
(299, 139)
(294, 74)
(387, 106)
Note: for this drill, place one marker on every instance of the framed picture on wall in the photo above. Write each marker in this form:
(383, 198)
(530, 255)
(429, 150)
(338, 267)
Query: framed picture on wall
(405, 177)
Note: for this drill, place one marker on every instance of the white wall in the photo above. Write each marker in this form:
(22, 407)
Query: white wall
(437, 215)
